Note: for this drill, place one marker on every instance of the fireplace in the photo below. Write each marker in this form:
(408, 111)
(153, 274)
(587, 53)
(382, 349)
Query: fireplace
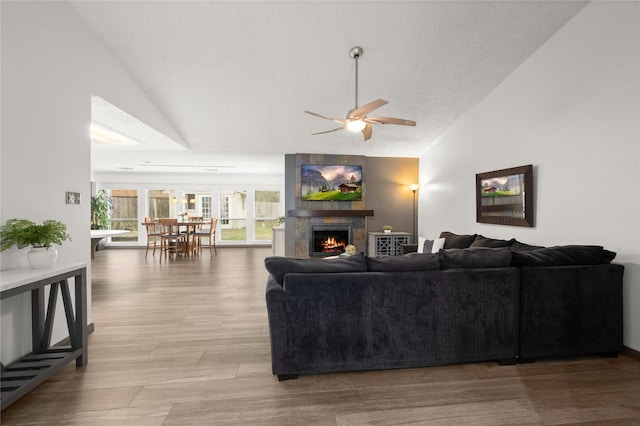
(329, 240)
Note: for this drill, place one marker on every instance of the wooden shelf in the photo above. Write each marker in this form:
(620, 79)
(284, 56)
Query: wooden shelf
(329, 213)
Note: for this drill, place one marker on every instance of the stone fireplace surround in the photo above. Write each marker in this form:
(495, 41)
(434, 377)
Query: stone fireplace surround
(304, 215)
(305, 220)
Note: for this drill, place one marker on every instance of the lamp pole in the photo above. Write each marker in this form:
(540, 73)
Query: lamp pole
(414, 188)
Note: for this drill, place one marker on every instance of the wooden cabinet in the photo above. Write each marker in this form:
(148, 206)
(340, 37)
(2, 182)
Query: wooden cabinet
(389, 243)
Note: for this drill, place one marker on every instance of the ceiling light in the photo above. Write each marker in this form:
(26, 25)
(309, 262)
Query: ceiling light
(104, 135)
(356, 125)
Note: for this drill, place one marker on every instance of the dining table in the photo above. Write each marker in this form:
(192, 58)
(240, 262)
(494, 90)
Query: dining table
(188, 229)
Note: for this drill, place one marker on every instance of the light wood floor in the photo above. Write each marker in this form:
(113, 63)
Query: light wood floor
(186, 343)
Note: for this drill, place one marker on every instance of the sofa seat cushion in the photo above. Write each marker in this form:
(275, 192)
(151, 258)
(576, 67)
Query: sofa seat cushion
(475, 257)
(454, 241)
(279, 266)
(563, 256)
(408, 262)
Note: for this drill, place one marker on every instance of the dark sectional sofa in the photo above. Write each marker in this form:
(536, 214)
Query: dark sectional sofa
(507, 303)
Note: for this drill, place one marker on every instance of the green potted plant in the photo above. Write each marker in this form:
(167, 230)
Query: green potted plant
(387, 228)
(100, 207)
(25, 233)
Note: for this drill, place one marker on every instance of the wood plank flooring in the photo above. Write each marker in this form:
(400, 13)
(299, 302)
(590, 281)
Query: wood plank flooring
(186, 342)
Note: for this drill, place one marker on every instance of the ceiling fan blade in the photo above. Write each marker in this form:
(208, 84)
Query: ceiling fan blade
(329, 131)
(337, 120)
(389, 120)
(366, 109)
(367, 131)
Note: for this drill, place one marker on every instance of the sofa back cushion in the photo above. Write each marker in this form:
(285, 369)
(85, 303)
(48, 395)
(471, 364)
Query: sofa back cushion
(407, 262)
(452, 240)
(279, 266)
(563, 256)
(482, 241)
(475, 257)
(518, 246)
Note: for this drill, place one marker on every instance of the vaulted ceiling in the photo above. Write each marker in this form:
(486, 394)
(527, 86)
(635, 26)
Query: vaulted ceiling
(234, 78)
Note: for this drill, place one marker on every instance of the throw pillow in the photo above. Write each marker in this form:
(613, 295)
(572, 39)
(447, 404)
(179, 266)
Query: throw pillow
(476, 257)
(438, 244)
(430, 246)
(457, 241)
(280, 266)
(561, 256)
(421, 243)
(409, 262)
(482, 241)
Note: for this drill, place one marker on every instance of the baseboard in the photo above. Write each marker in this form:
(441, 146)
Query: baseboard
(66, 342)
(631, 353)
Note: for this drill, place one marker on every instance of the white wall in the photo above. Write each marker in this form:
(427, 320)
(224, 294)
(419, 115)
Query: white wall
(51, 65)
(572, 110)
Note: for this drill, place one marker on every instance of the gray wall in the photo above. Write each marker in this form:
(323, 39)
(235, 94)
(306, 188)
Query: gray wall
(386, 192)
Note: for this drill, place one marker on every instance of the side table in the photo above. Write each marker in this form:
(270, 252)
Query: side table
(23, 375)
(388, 243)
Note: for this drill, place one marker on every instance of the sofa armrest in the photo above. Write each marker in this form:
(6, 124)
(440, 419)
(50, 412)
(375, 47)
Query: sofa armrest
(570, 310)
(408, 248)
(275, 298)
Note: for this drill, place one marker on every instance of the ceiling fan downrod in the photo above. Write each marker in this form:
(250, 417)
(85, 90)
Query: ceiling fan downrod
(355, 53)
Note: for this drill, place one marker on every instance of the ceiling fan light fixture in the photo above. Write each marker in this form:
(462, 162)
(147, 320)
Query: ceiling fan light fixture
(357, 120)
(356, 125)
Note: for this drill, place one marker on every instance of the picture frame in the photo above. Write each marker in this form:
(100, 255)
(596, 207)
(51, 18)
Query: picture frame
(72, 197)
(505, 197)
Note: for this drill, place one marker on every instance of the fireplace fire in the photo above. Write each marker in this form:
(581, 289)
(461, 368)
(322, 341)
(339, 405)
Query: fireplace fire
(329, 240)
(331, 245)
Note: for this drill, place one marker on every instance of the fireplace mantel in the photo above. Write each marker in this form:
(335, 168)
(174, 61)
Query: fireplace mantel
(329, 213)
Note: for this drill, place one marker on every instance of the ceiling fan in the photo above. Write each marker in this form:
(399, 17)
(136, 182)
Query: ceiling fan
(357, 118)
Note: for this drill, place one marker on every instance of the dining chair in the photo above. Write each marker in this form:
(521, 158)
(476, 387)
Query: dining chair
(209, 233)
(171, 240)
(153, 234)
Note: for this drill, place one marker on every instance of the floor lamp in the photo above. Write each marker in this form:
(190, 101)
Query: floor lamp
(414, 187)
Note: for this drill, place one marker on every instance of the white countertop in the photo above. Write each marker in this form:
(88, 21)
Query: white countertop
(13, 278)
(102, 233)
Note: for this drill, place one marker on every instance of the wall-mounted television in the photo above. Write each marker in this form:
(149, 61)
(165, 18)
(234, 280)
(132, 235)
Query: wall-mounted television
(331, 183)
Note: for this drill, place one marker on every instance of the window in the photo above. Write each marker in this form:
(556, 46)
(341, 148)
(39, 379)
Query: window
(233, 215)
(198, 203)
(124, 214)
(205, 206)
(266, 212)
(158, 203)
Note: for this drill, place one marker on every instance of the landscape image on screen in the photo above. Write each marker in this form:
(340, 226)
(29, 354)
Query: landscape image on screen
(503, 196)
(331, 183)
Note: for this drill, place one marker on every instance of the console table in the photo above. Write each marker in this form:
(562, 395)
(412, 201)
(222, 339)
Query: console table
(389, 243)
(25, 374)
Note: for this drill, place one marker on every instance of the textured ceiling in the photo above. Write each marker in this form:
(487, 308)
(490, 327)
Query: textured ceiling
(233, 78)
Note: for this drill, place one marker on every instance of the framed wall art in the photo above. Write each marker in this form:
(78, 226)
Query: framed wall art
(331, 183)
(505, 197)
(72, 197)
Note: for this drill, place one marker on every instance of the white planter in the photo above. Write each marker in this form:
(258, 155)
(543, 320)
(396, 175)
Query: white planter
(42, 257)
(387, 231)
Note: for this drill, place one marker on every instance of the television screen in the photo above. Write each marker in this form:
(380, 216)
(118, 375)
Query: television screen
(331, 183)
